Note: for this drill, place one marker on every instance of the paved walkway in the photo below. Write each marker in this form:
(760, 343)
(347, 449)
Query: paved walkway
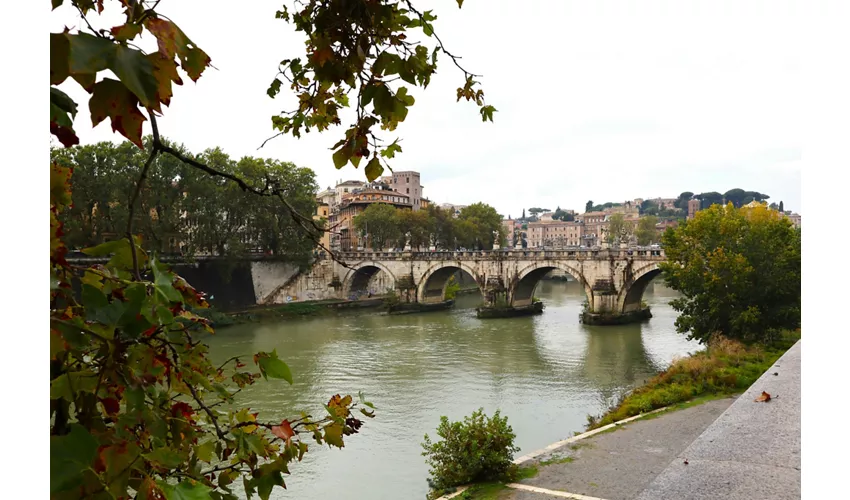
(751, 452)
(618, 464)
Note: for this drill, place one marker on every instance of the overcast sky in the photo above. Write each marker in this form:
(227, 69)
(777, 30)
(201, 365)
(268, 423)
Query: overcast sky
(598, 100)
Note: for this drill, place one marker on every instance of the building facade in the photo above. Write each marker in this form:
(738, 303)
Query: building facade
(354, 204)
(554, 234)
(407, 183)
(693, 207)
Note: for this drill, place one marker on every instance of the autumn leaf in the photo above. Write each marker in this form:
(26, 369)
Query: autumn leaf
(374, 169)
(173, 42)
(126, 31)
(333, 435)
(321, 56)
(283, 431)
(764, 398)
(112, 99)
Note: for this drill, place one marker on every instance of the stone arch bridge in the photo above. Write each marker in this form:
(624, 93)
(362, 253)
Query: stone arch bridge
(613, 279)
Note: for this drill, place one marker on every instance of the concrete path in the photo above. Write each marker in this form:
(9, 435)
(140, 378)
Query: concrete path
(620, 463)
(751, 452)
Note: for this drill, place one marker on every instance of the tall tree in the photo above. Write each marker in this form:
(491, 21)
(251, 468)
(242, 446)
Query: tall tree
(738, 271)
(710, 198)
(645, 231)
(617, 228)
(445, 232)
(683, 199)
(588, 207)
(415, 227)
(484, 225)
(782, 207)
(378, 225)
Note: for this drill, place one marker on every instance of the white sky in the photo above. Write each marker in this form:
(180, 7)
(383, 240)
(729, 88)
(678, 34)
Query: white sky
(600, 100)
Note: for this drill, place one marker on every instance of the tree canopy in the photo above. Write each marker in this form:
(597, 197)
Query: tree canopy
(183, 210)
(738, 271)
(646, 232)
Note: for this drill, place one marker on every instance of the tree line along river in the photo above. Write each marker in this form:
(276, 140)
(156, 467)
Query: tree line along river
(546, 373)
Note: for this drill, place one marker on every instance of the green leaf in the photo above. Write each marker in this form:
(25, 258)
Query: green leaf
(391, 150)
(187, 489)
(333, 435)
(165, 457)
(273, 367)
(93, 299)
(56, 3)
(166, 317)
(136, 72)
(163, 281)
(67, 385)
(363, 400)
(89, 53)
(341, 157)
(205, 451)
(110, 247)
(374, 169)
(274, 88)
(110, 314)
(63, 105)
(70, 455)
(59, 51)
(459, 3)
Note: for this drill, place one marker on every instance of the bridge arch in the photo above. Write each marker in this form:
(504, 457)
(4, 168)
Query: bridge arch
(527, 279)
(357, 278)
(631, 294)
(432, 286)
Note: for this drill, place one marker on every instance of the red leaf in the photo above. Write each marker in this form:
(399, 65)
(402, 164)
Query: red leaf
(110, 98)
(283, 431)
(182, 409)
(111, 405)
(764, 398)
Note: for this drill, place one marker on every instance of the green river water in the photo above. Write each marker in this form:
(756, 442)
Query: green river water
(546, 373)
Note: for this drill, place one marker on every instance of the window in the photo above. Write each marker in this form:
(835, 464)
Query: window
(344, 189)
(408, 180)
(408, 190)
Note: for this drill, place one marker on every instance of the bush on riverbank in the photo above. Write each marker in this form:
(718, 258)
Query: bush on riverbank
(477, 449)
(725, 368)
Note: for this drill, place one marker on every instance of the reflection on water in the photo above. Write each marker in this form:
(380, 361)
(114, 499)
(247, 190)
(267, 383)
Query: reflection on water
(546, 373)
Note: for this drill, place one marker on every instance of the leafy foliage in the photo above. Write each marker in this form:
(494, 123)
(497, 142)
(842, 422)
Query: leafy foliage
(618, 229)
(379, 224)
(479, 448)
(134, 395)
(474, 227)
(137, 408)
(645, 231)
(739, 273)
(362, 47)
(183, 210)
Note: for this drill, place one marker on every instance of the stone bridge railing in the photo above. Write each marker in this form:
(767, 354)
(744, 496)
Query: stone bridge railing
(508, 254)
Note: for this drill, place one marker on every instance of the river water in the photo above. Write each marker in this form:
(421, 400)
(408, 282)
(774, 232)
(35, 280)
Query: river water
(546, 373)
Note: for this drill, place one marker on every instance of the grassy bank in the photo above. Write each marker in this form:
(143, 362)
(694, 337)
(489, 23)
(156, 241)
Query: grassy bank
(724, 368)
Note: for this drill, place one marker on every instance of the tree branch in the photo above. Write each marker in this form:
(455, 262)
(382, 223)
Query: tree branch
(135, 197)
